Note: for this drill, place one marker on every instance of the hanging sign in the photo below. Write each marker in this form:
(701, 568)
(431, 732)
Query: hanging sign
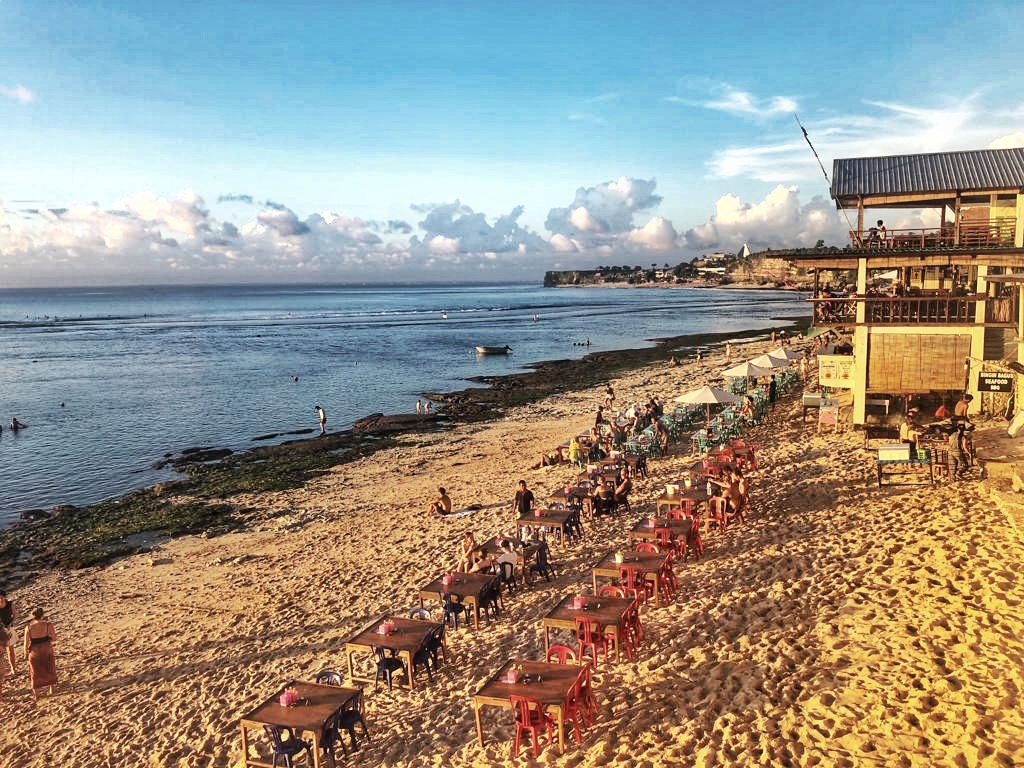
(995, 381)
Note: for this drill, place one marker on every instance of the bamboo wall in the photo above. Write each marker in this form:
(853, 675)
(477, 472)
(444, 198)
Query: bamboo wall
(909, 363)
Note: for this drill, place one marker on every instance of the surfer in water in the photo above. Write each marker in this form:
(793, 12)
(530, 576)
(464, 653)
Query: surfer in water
(16, 425)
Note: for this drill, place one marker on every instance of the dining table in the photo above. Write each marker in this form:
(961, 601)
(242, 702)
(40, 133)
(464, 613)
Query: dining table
(644, 528)
(549, 519)
(310, 714)
(649, 562)
(609, 612)
(698, 494)
(408, 637)
(547, 683)
(470, 587)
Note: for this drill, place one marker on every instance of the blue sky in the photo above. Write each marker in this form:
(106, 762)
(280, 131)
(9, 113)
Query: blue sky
(227, 142)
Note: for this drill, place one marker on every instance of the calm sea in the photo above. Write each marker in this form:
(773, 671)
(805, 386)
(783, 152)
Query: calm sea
(111, 379)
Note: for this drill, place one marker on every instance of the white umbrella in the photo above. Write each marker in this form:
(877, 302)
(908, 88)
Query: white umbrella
(746, 370)
(708, 396)
(786, 353)
(767, 361)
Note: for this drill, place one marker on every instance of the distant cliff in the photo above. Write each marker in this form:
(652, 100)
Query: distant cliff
(553, 279)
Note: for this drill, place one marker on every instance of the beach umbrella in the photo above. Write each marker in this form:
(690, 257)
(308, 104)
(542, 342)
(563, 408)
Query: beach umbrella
(784, 353)
(746, 370)
(767, 361)
(708, 396)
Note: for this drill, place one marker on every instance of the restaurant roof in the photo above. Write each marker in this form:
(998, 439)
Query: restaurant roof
(928, 174)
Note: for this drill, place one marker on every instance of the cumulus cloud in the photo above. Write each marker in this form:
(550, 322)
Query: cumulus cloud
(18, 93)
(604, 211)
(1010, 141)
(657, 235)
(778, 221)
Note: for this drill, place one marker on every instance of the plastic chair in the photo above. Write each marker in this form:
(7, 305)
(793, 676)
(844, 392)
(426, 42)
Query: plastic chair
(647, 546)
(453, 608)
(632, 578)
(490, 600)
(590, 635)
(437, 647)
(666, 541)
(611, 590)
(543, 566)
(387, 666)
(287, 745)
(352, 715)
(561, 654)
(529, 716)
(694, 542)
(573, 711)
(590, 708)
(667, 584)
(507, 576)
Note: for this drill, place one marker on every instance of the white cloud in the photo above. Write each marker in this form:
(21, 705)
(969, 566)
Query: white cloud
(778, 221)
(605, 210)
(1010, 141)
(18, 93)
(724, 97)
(886, 128)
(658, 234)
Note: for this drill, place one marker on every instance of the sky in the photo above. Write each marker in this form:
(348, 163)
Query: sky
(233, 142)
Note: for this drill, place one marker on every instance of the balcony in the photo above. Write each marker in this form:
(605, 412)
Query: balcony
(999, 232)
(938, 309)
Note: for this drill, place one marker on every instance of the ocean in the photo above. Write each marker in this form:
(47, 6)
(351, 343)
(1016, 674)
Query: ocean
(110, 380)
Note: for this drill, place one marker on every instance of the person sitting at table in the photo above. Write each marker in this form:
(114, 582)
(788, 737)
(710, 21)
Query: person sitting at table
(747, 409)
(622, 491)
(480, 561)
(442, 505)
(660, 432)
(909, 432)
(730, 485)
(603, 499)
(943, 412)
(597, 451)
(466, 547)
(508, 555)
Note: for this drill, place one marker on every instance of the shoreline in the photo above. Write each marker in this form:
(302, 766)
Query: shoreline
(76, 536)
(842, 623)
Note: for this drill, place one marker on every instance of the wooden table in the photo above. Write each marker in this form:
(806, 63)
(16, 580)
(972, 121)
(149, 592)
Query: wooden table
(906, 467)
(469, 586)
(526, 550)
(409, 637)
(551, 691)
(644, 532)
(648, 562)
(548, 518)
(606, 611)
(319, 703)
(697, 494)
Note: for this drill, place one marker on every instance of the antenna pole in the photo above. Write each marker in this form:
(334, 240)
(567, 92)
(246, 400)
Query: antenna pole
(824, 173)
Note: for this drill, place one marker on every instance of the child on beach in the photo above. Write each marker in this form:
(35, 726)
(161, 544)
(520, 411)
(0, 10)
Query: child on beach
(322, 417)
(442, 505)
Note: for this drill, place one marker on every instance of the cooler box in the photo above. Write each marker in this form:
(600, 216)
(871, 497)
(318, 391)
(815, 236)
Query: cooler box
(894, 452)
(813, 400)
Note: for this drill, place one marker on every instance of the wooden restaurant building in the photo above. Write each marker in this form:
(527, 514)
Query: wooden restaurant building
(929, 312)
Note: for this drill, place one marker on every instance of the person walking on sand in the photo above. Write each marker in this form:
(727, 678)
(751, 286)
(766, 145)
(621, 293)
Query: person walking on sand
(7, 617)
(426, 408)
(42, 666)
(322, 416)
(419, 408)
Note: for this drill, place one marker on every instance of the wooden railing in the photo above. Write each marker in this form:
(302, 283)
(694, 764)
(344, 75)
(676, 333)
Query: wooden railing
(1000, 231)
(897, 310)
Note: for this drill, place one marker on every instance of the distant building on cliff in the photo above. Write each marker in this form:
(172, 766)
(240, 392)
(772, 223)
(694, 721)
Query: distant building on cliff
(930, 312)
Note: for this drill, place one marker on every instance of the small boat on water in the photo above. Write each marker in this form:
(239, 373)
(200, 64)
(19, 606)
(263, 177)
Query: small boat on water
(494, 350)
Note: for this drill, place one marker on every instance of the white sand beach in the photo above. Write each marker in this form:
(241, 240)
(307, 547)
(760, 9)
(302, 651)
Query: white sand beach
(842, 624)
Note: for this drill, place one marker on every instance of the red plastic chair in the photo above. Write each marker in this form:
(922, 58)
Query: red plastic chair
(574, 710)
(610, 590)
(647, 546)
(529, 715)
(667, 583)
(561, 654)
(632, 578)
(667, 541)
(590, 635)
(590, 709)
(694, 542)
(633, 629)
(682, 512)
